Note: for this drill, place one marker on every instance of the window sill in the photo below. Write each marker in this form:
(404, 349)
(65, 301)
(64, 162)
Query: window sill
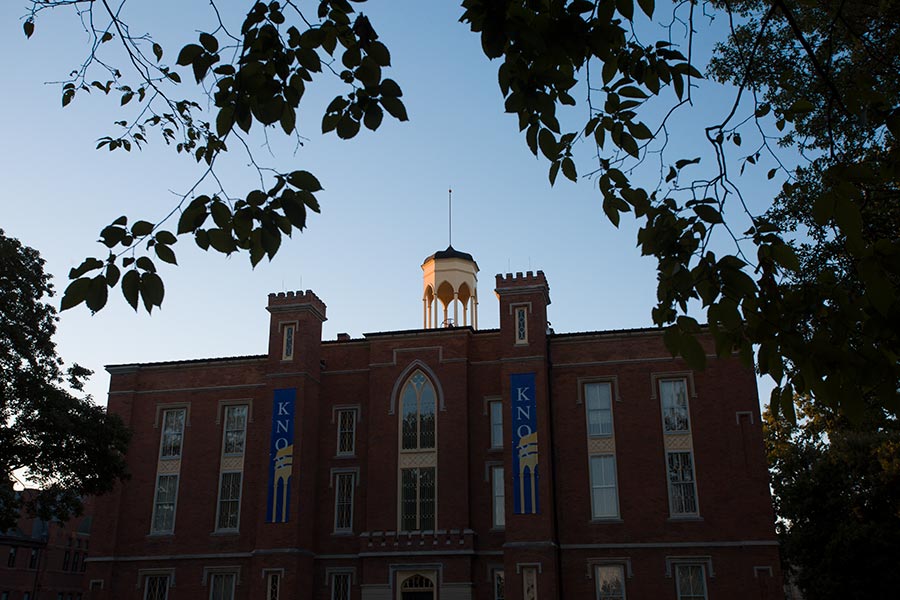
(605, 520)
(681, 518)
(495, 449)
(343, 533)
(497, 530)
(345, 456)
(161, 534)
(225, 532)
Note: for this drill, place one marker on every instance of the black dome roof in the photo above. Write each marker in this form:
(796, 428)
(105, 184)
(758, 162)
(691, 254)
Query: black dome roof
(451, 252)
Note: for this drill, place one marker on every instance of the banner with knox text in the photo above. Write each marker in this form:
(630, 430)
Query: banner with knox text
(526, 474)
(281, 456)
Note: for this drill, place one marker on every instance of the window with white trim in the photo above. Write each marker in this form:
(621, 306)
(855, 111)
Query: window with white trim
(610, 581)
(529, 583)
(221, 586)
(346, 441)
(229, 509)
(287, 348)
(417, 499)
(499, 586)
(172, 432)
(343, 501)
(604, 495)
(598, 403)
(418, 401)
(498, 495)
(163, 520)
(675, 411)
(156, 587)
(235, 430)
(682, 483)
(496, 413)
(273, 585)
(690, 582)
(340, 586)
(522, 325)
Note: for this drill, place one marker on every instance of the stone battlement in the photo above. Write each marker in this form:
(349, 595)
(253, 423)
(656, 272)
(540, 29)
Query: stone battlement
(519, 280)
(296, 299)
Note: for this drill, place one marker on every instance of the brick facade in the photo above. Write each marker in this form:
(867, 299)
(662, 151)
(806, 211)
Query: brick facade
(42, 560)
(726, 538)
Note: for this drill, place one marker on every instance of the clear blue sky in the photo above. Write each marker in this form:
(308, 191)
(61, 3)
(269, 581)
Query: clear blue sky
(384, 207)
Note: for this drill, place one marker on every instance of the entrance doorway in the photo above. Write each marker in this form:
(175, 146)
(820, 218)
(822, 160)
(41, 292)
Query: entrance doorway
(417, 587)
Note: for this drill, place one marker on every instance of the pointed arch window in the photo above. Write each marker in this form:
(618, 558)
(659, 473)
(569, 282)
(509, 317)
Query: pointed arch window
(418, 402)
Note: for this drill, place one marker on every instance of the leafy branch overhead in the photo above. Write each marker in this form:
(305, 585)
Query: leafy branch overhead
(807, 285)
(258, 75)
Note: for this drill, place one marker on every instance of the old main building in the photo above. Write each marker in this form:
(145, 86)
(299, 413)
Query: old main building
(442, 463)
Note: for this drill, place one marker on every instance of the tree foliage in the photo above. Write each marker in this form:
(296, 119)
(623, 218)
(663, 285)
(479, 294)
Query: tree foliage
(49, 436)
(814, 80)
(835, 488)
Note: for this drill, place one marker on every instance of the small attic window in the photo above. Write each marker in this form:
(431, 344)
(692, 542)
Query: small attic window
(287, 352)
(521, 325)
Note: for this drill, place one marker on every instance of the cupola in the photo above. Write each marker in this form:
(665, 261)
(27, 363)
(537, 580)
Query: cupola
(450, 296)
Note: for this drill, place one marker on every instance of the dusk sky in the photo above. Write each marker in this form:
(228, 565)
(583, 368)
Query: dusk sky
(384, 206)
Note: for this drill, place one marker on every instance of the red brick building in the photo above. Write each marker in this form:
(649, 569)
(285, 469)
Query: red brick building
(41, 560)
(443, 463)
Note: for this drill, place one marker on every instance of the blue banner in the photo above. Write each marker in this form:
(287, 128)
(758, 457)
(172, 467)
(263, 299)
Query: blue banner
(526, 474)
(281, 456)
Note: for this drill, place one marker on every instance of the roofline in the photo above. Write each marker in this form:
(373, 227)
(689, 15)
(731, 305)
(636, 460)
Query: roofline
(123, 368)
(117, 369)
(635, 331)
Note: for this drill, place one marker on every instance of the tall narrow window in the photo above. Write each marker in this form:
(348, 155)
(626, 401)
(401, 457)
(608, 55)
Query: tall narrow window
(66, 558)
(221, 586)
(496, 408)
(75, 560)
(676, 416)
(32, 562)
(522, 325)
(343, 502)
(229, 501)
(346, 444)
(598, 401)
(604, 496)
(529, 583)
(340, 586)
(156, 587)
(163, 520)
(11, 558)
(499, 585)
(235, 433)
(691, 582)
(287, 350)
(682, 484)
(273, 585)
(499, 497)
(172, 433)
(417, 401)
(610, 582)
(417, 499)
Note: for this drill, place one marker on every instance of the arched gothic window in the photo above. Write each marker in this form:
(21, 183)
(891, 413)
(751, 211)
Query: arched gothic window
(418, 402)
